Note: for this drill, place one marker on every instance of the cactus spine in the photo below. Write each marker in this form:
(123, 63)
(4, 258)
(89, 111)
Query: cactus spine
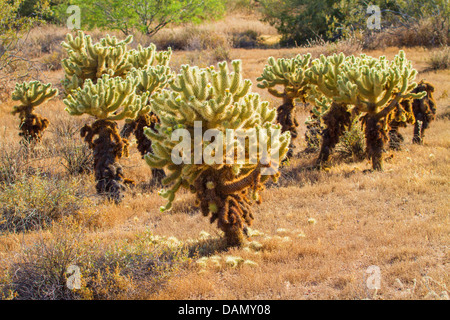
(220, 100)
(32, 94)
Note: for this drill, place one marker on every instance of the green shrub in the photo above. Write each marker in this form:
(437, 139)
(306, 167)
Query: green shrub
(300, 20)
(440, 60)
(34, 202)
(352, 145)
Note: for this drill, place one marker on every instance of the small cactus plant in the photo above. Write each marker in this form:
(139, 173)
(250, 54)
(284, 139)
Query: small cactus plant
(32, 94)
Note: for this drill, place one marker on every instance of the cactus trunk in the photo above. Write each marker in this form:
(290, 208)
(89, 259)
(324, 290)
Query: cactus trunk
(376, 140)
(228, 203)
(144, 145)
(108, 148)
(337, 120)
(395, 137)
(424, 110)
(32, 126)
(286, 118)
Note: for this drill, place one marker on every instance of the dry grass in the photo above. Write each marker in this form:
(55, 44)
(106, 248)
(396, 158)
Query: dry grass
(319, 231)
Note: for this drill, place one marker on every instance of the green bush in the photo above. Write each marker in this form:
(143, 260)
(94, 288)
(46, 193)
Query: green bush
(300, 20)
(148, 17)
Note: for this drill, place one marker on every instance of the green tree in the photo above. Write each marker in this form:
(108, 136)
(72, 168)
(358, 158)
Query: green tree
(147, 16)
(301, 20)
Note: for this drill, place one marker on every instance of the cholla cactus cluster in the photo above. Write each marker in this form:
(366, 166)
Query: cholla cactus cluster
(290, 74)
(219, 100)
(231, 143)
(32, 94)
(110, 83)
(375, 87)
(345, 87)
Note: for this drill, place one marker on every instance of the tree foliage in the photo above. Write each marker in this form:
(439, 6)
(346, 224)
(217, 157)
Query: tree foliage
(147, 16)
(301, 20)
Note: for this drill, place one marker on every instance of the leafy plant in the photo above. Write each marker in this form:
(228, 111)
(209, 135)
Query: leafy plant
(147, 16)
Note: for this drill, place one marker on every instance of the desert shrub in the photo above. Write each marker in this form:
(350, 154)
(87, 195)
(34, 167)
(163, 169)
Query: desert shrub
(440, 59)
(13, 163)
(76, 157)
(15, 65)
(66, 127)
(52, 61)
(423, 32)
(352, 144)
(203, 39)
(34, 202)
(148, 17)
(108, 271)
(246, 39)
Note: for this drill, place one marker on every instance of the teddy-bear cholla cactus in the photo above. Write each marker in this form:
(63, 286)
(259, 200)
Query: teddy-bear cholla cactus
(109, 100)
(324, 75)
(150, 80)
(377, 87)
(32, 94)
(290, 74)
(424, 110)
(109, 56)
(419, 112)
(219, 100)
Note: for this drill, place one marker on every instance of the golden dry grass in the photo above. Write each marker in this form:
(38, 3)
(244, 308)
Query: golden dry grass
(320, 230)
